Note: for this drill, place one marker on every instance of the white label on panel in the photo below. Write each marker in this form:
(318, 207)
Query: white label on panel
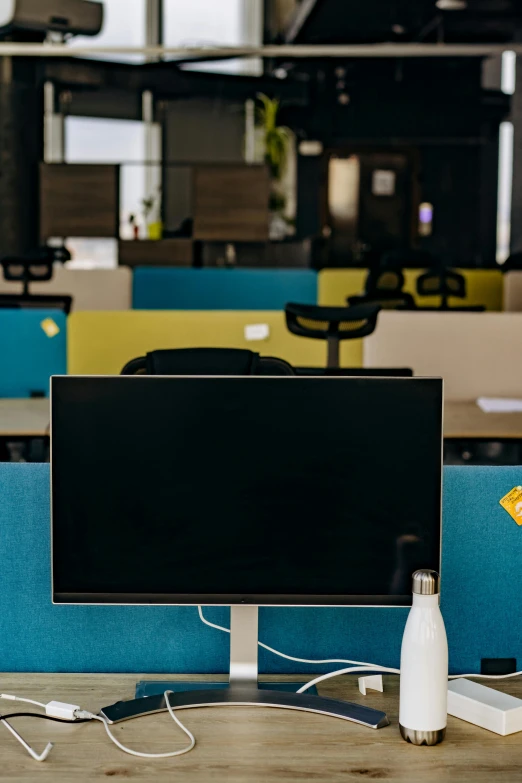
(257, 332)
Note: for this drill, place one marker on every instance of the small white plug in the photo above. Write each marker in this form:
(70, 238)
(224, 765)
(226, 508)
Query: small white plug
(59, 709)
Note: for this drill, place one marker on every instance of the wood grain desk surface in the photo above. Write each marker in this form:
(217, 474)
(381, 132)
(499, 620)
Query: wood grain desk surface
(467, 420)
(243, 744)
(30, 418)
(24, 418)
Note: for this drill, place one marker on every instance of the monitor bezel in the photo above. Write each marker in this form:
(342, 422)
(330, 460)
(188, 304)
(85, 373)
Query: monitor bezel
(236, 599)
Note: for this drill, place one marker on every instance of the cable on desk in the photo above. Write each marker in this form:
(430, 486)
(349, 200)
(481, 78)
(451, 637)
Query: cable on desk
(190, 746)
(42, 717)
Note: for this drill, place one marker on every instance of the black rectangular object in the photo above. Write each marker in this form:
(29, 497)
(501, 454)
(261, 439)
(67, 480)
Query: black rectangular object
(498, 665)
(296, 491)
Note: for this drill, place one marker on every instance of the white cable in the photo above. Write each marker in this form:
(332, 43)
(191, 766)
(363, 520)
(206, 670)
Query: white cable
(345, 671)
(8, 697)
(377, 667)
(82, 714)
(360, 666)
(36, 756)
(485, 676)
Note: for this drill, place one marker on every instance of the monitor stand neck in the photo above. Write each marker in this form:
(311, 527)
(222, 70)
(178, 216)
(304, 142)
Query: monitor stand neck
(243, 688)
(244, 645)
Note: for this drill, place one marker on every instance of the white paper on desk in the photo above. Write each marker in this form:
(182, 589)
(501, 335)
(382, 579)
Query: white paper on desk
(499, 405)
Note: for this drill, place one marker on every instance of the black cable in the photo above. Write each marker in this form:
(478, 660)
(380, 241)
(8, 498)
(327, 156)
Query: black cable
(42, 717)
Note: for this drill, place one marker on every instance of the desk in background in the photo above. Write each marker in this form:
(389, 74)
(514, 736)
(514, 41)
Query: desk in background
(248, 745)
(24, 430)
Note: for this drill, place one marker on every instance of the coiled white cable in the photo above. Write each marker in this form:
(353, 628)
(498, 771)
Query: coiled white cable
(90, 716)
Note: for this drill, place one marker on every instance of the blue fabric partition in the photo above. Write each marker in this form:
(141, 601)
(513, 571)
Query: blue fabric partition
(222, 289)
(33, 346)
(482, 564)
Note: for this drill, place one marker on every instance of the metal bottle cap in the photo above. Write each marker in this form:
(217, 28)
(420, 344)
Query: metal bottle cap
(426, 582)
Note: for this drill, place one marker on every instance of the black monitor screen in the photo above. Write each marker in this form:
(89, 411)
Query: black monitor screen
(244, 490)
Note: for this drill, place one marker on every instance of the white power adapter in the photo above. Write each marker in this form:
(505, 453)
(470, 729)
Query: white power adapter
(59, 709)
(485, 707)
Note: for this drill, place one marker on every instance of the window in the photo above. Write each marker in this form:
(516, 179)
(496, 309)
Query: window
(124, 25)
(92, 140)
(505, 164)
(505, 181)
(211, 23)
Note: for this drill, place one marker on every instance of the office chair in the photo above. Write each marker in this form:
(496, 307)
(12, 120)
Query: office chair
(332, 324)
(207, 361)
(38, 268)
(445, 282)
(384, 287)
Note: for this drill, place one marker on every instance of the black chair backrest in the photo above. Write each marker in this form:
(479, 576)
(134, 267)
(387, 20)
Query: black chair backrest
(320, 323)
(207, 361)
(332, 324)
(443, 283)
(37, 268)
(384, 280)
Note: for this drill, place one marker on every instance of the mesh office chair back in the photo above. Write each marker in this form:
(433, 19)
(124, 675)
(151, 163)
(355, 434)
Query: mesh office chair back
(34, 269)
(332, 324)
(206, 361)
(384, 287)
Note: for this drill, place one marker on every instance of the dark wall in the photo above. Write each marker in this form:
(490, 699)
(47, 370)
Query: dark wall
(21, 144)
(437, 108)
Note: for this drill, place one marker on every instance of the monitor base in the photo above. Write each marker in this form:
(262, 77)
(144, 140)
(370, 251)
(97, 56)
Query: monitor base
(158, 687)
(247, 696)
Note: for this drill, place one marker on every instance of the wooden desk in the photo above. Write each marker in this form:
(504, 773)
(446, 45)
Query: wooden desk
(245, 745)
(465, 420)
(24, 418)
(462, 420)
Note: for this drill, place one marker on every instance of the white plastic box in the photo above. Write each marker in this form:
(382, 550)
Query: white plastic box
(485, 707)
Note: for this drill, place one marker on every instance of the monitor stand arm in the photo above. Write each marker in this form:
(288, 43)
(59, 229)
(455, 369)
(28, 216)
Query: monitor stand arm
(243, 688)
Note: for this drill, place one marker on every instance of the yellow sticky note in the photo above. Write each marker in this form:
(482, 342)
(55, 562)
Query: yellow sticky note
(512, 502)
(50, 327)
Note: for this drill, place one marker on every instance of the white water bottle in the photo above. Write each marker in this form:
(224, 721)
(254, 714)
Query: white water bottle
(423, 710)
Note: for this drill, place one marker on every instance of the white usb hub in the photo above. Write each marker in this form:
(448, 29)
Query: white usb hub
(485, 707)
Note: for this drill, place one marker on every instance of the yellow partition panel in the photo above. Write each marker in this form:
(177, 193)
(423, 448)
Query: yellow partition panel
(483, 287)
(336, 285)
(101, 343)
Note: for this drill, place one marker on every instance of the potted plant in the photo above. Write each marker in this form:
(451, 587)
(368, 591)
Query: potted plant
(150, 209)
(276, 148)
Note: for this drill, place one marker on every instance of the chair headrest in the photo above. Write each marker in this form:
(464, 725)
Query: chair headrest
(347, 323)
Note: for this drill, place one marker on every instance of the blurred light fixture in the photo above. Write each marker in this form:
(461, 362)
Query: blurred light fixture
(281, 73)
(451, 5)
(344, 99)
(425, 219)
(311, 148)
(398, 29)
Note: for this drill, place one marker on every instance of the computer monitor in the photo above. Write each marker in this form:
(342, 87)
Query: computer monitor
(244, 491)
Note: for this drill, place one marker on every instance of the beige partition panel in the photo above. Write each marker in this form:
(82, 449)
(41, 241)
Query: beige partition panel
(513, 292)
(91, 289)
(102, 343)
(477, 354)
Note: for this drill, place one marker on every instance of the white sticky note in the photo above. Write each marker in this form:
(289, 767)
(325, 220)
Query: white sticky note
(255, 332)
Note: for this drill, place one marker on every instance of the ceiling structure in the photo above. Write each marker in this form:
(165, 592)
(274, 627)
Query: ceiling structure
(411, 21)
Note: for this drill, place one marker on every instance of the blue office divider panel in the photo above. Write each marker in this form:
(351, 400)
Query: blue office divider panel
(482, 564)
(32, 348)
(222, 289)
